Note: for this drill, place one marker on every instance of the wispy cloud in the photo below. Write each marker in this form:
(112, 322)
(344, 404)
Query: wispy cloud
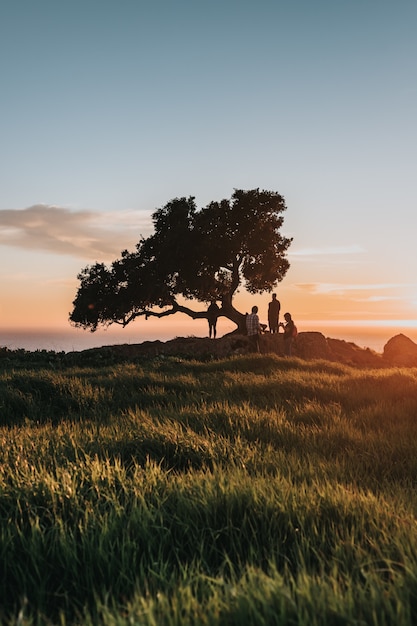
(355, 292)
(342, 288)
(98, 234)
(86, 234)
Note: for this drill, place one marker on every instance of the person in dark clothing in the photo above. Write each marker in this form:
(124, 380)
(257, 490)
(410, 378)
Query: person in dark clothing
(274, 308)
(212, 315)
(290, 332)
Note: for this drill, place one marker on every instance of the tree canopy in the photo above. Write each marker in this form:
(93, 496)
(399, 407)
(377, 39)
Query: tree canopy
(203, 255)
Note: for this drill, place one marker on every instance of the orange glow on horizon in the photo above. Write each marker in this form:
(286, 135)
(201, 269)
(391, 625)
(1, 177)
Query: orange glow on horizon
(330, 311)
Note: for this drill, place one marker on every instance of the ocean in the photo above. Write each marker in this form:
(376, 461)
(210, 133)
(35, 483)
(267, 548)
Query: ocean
(75, 340)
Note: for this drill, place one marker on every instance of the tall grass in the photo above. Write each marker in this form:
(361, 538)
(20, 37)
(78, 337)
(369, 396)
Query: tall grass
(250, 490)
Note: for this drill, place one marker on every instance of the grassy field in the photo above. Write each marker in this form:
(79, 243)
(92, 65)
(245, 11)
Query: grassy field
(251, 490)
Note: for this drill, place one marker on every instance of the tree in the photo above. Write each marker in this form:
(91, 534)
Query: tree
(193, 255)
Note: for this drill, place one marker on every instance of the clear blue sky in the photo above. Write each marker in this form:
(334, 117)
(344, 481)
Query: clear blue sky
(110, 109)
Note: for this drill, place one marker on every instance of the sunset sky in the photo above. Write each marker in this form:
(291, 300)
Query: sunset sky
(110, 109)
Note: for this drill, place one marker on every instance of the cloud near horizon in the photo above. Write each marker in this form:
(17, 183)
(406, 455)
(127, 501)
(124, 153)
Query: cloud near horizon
(82, 233)
(342, 289)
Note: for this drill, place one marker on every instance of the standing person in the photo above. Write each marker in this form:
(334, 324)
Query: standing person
(212, 315)
(274, 308)
(253, 328)
(290, 333)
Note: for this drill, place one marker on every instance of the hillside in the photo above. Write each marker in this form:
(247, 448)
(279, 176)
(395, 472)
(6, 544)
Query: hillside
(250, 490)
(399, 350)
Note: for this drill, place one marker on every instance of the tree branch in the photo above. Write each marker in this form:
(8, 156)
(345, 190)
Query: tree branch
(177, 308)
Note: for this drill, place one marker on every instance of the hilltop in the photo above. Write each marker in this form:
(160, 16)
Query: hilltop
(398, 351)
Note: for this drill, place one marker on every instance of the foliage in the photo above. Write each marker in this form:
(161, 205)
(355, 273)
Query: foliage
(249, 490)
(202, 255)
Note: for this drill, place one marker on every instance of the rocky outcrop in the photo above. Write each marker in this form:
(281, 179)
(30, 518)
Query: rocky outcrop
(308, 345)
(314, 345)
(400, 351)
(198, 347)
(348, 352)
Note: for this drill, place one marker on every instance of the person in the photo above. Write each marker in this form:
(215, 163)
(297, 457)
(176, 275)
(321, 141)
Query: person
(290, 331)
(212, 315)
(253, 328)
(274, 308)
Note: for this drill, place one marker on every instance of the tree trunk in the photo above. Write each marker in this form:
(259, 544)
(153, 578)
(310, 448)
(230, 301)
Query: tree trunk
(229, 311)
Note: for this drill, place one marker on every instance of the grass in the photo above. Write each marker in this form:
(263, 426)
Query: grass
(248, 490)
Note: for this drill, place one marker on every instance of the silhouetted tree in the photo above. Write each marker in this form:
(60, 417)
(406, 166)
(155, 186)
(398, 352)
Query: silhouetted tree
(193, 255)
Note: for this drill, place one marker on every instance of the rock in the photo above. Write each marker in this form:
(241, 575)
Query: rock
(400, 351)
(351, 354)
(312, 345)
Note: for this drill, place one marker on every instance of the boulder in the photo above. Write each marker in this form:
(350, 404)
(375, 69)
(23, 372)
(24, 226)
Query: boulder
(400, 351)
(312, 345)
(308, 345)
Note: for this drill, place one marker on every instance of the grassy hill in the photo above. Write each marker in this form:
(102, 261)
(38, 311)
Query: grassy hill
(243, 490)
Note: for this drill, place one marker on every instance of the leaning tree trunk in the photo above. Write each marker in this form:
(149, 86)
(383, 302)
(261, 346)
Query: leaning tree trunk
(229, 311)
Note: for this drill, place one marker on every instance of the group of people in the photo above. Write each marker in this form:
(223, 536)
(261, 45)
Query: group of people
(254, 328)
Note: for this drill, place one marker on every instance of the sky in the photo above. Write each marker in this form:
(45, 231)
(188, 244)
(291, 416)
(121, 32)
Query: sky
(109, 109)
